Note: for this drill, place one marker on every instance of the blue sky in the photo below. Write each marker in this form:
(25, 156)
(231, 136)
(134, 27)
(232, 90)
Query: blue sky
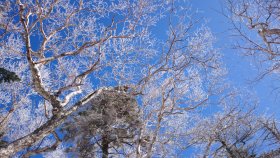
(241, 69)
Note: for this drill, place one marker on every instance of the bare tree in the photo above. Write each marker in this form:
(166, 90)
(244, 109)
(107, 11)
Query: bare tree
(271, 127)
(231, 132)
(257, 23)
(236, 131)
(68, 52)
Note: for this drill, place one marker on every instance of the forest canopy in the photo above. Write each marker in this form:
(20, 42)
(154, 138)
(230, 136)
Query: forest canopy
(138, 78)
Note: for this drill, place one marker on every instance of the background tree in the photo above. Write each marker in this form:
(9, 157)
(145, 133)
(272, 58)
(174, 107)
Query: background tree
(236, 131)
(67, 52)
(230, 132)
(257, 23)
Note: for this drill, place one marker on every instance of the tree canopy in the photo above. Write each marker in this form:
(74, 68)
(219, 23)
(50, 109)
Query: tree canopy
(98, 79)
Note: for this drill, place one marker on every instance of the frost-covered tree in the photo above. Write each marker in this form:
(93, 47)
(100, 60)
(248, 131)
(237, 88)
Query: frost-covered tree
(108, 122)
(257, 24)
(236, 131)
(68, 53)
(231, 133)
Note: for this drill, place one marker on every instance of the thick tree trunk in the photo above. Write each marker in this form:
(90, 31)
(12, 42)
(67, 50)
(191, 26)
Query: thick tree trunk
(105, 147)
